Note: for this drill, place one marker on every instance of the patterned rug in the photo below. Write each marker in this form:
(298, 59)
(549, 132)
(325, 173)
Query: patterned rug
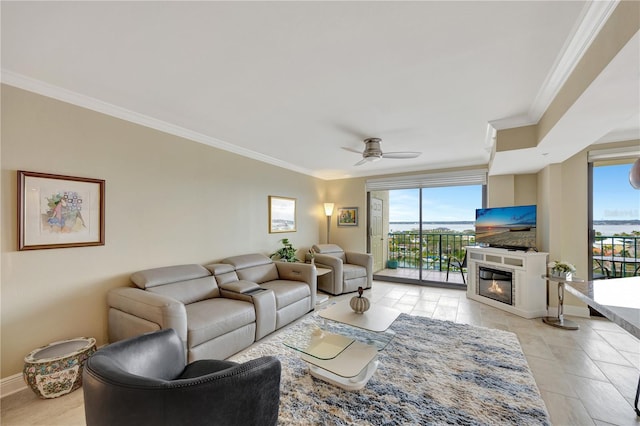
(433, 372)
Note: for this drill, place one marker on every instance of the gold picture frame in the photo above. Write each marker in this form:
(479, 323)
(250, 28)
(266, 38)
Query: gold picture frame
(282, 214)
(56, 211)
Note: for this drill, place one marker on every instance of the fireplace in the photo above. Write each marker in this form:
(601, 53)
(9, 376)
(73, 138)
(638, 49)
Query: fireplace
(519, 275)
(496, 284)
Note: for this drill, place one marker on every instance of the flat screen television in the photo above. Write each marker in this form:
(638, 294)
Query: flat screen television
(507, 227)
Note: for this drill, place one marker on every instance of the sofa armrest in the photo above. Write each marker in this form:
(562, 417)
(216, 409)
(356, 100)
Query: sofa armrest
(294, 271)
(240, 286)
(264, 304)
(362, 259)
(335, 264)
(164, 311)
(304, 272)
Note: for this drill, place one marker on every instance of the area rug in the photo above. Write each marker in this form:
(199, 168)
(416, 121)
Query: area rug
(433, 372)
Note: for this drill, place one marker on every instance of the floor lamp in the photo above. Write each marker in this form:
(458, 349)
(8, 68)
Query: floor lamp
(328, 210)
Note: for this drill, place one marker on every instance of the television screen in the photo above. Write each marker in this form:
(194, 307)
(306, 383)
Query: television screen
(507, 227)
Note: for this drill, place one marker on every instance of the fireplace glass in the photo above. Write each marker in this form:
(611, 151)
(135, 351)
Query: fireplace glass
(495, 284)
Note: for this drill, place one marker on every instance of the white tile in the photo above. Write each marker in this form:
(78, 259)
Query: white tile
(621, 341)
(625, 379)
(603, 401)
(566, 411)
(577, 362)
(550, 376)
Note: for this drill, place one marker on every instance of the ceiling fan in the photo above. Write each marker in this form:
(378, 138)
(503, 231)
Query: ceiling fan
(372, 152)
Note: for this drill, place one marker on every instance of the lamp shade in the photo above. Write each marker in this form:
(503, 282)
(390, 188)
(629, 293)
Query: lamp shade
(634, 174)
(328, 209)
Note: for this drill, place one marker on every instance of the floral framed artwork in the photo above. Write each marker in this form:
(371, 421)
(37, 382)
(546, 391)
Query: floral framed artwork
(348, 216)
(56, 211)
(282, 214)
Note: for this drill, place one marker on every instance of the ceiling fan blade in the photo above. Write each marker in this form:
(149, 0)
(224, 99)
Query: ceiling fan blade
(364, 160)
(406, 154)
(352, 150)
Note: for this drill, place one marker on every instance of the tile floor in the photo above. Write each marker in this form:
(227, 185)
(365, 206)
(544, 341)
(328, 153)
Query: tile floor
(586, 377)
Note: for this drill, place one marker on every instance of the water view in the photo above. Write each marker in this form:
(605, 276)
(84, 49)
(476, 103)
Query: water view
(604, 227)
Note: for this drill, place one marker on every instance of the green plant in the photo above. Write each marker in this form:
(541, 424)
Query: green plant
(287, 253)
(561, 266)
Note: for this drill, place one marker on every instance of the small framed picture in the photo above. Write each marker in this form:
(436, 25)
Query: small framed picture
(348, 216)
(57, 211)
(282, 214)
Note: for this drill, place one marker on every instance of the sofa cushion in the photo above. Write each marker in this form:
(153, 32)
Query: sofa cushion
(168, 274)
(211, 318)
(224, 272)
(287, 292)
(189, 291)
(254, 267)
(259, 274)
(350, 271)
(247, 260)
(331, 250)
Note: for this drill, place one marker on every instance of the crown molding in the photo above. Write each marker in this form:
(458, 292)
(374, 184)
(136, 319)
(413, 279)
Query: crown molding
(594, 16)
(45, 89)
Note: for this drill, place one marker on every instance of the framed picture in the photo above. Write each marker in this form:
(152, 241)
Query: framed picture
(282, 214)
(348, 216)
(57, 211)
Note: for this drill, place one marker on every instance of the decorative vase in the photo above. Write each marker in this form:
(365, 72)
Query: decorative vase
(561, 274)
(56, 369)
(359, 303)
(392, 264)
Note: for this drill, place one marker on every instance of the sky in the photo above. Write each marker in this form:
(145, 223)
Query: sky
(456, 203)
(614, 199)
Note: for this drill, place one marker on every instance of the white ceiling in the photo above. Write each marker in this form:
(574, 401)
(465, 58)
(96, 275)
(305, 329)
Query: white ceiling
(292, 83)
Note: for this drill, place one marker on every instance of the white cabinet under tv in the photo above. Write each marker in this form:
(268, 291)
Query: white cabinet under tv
(510, 280)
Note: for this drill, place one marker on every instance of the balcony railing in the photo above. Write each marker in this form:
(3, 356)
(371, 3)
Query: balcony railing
(616, 256)
(613, 256)
(432, 249)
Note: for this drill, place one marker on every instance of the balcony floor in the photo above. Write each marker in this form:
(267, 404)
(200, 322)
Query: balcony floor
(427, 275)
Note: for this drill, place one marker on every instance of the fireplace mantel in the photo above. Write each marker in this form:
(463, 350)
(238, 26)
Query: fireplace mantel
(530, 298)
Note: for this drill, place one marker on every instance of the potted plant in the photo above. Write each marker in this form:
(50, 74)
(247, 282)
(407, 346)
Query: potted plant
(392, 263)
(561, 269)
(287, 253)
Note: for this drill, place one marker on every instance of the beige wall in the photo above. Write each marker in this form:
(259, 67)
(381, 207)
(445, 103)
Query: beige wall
(168, 201)
(512, 190)
(348, 193)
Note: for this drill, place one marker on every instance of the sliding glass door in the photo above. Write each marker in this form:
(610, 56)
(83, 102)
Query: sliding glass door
(615, 221)
(428, 230)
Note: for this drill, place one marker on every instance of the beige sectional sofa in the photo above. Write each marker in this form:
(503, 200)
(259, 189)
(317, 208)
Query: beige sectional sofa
(217, 310)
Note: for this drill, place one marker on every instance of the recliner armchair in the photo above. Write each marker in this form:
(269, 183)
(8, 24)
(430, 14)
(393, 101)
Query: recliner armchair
(145, 381)
(350, 269)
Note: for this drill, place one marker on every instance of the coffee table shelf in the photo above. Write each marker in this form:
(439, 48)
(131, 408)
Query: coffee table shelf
(341, 347)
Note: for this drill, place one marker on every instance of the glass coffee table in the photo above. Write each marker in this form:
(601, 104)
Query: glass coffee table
(341, 347)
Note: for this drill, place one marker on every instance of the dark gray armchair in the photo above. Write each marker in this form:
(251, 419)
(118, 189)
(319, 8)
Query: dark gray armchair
(145, 381)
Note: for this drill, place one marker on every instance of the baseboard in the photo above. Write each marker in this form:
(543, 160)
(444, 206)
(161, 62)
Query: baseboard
(574, 311)
(12, 384)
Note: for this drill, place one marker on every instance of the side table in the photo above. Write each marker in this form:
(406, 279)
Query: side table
(559, 321)
(322, 274)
